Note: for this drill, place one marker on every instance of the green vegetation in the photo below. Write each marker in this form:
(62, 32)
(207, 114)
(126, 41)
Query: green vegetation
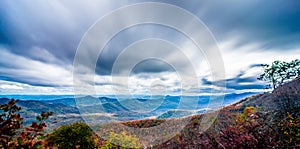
(77, 135)
(122, 140)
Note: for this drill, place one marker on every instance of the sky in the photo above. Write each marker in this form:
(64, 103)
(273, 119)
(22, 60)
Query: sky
(39, 40)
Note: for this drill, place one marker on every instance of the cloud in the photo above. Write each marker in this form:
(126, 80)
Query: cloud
(273, 25)
(21, 69)
(240, 58)
(38, 43)
(241, 82)
(53, 25)
(10, 87)
(135, 34)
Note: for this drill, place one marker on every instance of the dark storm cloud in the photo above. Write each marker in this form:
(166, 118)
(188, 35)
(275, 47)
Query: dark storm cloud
(134, 34)
(108, 83)
(27, 27)
(32, 81)
(151, 66)
(238, 83)
(274, 24)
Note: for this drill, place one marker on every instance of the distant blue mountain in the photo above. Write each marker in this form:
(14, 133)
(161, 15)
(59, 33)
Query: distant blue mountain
(37, 97)
(64, 101)
(67, 109)
(39, 106)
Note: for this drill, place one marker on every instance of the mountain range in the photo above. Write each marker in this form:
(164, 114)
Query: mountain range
(69, 109)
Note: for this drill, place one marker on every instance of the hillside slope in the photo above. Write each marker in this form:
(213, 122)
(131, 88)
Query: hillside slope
(281, 97)
(229, 129)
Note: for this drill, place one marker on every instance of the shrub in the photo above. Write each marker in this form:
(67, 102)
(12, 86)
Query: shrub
(122, 140)
(77, 135)
(289, 132)
(248, 132)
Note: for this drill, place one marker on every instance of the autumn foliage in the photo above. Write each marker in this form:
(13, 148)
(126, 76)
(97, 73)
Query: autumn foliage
(237, 126)
(10, 123)
(14, 134)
